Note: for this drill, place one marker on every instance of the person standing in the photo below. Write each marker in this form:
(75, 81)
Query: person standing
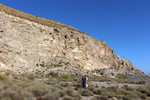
(84, 81)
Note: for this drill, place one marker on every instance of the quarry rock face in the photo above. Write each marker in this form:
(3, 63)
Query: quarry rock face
(26, 45)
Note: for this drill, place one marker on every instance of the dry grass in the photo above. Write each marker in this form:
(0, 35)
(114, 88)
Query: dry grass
(40, 89)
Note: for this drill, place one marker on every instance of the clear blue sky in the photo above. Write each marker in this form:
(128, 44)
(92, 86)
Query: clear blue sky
(123, 24)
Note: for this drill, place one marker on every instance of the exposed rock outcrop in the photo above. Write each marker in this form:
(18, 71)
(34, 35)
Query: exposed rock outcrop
(25, 44)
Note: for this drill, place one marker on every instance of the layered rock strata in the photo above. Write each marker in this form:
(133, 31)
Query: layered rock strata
(24, 45)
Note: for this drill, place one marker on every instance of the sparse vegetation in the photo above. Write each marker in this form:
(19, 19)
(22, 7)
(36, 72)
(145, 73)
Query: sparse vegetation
(67, 87)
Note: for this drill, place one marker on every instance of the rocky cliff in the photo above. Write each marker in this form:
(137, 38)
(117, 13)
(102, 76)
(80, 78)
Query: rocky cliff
(28, 46)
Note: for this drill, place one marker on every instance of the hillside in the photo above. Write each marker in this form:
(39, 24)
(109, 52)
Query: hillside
(28, 42)
(45, 60)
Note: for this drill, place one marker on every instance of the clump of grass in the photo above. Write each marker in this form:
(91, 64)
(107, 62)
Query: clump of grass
(128, 95)
(49, 97)
(144, 90)
(28, 76)
(128, 88)
(142, 82)
(9, 94)
(3, 77)
(60, 93)
(91, 88)
(78, 86)
(53, 74)
(96, 98)
(86, 93)
(97, 91)
(72, 93)
(64, 84)
(24, 74)
(67, 98)
(37, 91)
(64, 76)
(121, 76)
(41, 90)
(102, 97)
(112, 89)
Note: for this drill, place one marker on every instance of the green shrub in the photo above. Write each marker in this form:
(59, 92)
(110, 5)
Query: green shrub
(64, 76)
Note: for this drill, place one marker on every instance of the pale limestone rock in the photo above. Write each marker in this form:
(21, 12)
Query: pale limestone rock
(24, 44)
